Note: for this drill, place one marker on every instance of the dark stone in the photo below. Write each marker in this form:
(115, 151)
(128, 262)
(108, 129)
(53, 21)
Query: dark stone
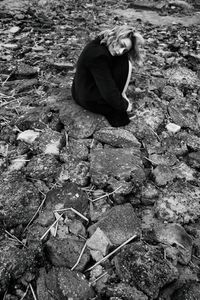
(189, 291)
(69, 195)
(65, 252)
(62, 283)
(19, 200)
(119, 224)
(144, 267)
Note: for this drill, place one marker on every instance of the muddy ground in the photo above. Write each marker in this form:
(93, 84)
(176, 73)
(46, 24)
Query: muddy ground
(88, 211)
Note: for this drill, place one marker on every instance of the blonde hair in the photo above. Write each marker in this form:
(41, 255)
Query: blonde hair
(113, 36)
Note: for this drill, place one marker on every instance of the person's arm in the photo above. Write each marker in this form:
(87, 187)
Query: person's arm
(105, 83)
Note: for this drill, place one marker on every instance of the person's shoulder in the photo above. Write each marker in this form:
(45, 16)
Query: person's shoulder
(95, 49)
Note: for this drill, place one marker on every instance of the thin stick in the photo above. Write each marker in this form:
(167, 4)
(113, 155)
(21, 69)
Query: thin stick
(74, 210)
(102, 275)
(37, 211)
(25, 293)
(15, 238)
(50, 227)
(4, 296)
(107, 194)
(110, 254)
(33, 293)
(83, 249)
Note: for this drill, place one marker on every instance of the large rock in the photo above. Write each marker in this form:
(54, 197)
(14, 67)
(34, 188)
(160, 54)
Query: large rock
(179, 204)
(122, 164)
(69, 195)
(188, 291)
(76, 149)
(182, 76)
(175, 236)
(19, 200)
(119, 224)
(65, 252)
(13, 262)
(184, 113)
(144, 267)
(117, 137)
(62, 283)
(80, 123)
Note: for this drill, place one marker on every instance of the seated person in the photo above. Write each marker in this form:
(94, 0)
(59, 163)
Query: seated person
(103, 73)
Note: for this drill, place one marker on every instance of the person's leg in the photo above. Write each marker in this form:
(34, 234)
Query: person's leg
(122, 74)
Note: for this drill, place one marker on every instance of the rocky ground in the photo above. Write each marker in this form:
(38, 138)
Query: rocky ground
(88, 211)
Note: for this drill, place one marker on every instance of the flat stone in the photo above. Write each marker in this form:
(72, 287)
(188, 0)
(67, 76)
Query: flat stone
(49, 142)
(65, 252)
(144, 267)
(44, 167)
(99, 242)
(80, 123)
(117, 137)
(182, 76)
(69, 195)
(28, 136)
(124, 291)
(14, 29)
(184, 113)
(180, 204)
(176, 236)
(24, 70)
(173, 128)
(194, 159)
(19, 199)
(119, 224)
(166, 159)
(191, 140)
(63, 283)
(163, 174)
(175, 145)
(190, 290)
(153, 117)
(122, 164)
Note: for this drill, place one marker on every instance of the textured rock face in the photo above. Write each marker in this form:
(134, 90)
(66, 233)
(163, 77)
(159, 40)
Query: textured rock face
(179, 204)
(69, 195)
(13, 263)
(176, 236)
(145, 267)
(119, 138)
(43, 167)
(122, 164)
(119, 224)
(188, 291)
(19, 200)
(125, 291)
(61, 283)
(182, 76)
(65, 252)
(80, 123)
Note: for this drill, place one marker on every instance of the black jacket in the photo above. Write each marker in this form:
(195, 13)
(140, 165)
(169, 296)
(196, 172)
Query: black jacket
(94, 87)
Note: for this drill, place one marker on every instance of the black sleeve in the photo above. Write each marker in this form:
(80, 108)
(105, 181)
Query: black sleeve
(101, 72)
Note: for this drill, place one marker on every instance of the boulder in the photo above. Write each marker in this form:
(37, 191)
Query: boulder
(179, 204)
(144, 267)
(62, 283)
(69, 195)
(122, 164)
(190, 290)
(65, 252)
(175, 235)
(117, 137)
(19, 199)
(180, 76)
(119, 224)
(80, 123)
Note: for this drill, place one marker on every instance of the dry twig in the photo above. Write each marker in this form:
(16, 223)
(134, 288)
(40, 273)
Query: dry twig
(79, 257)
(110, 254)
(26, 291)
(15, 238)
(106, 195)
(102, 275)
(51, 227)
(74, 210)
(33, 293)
